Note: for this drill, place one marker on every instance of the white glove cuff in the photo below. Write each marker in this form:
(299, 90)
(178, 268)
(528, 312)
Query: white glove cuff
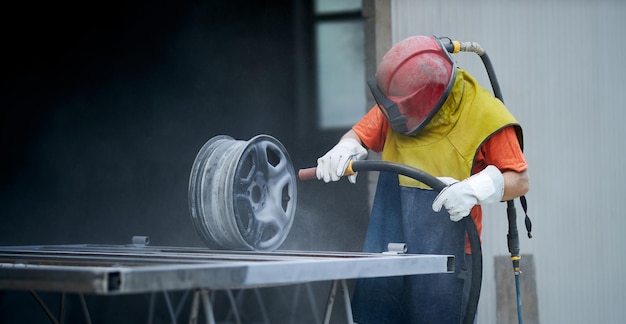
(355, 149)
(352, 144)
(488, 185)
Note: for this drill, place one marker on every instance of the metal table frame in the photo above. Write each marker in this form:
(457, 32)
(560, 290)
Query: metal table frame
(135, 269)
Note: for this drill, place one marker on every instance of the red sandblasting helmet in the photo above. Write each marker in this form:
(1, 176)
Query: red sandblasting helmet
(412, 82)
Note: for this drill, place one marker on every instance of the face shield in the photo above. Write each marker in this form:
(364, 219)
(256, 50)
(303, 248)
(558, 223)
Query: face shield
(412, 82)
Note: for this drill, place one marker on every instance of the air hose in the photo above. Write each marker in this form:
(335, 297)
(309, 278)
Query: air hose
(512, 236)
(436, 185)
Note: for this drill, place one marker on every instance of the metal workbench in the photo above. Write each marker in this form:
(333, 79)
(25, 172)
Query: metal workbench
(136, 269)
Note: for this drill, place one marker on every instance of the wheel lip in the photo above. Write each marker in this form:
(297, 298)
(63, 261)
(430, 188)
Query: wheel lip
(201, 208)
(195, 192)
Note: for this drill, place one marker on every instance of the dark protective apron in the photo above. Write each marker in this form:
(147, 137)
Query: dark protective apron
(404, 215)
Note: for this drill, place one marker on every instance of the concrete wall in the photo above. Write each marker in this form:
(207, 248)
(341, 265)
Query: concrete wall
(559, 67)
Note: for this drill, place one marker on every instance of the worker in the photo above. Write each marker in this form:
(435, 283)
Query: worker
(433, 116)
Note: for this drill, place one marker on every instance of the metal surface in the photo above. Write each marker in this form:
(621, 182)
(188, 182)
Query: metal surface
(242, 194)
(111, 269)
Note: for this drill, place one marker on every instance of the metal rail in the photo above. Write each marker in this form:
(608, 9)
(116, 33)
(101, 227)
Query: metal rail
(129, 269)
(107, 269)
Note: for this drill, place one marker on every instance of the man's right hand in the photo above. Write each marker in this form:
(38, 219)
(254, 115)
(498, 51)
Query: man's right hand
(332, 166)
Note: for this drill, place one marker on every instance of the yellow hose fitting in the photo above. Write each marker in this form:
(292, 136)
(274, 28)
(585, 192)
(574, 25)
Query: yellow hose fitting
(457, 46)
(349, 170)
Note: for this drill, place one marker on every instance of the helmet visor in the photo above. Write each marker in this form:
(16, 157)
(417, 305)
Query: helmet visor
(401, 112)
(398, 110)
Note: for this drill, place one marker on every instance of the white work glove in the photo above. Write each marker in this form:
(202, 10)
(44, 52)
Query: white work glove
(332, 166)
(458, 198)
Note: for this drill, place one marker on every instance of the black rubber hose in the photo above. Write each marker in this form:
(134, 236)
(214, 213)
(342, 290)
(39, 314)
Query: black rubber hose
(495, 85)
(405, 170)
(513, 235)
(470, 226)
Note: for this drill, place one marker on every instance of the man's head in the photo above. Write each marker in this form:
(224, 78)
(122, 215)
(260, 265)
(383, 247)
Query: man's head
(412, 82)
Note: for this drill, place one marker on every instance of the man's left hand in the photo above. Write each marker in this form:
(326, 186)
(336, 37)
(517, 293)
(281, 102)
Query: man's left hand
(459, 198)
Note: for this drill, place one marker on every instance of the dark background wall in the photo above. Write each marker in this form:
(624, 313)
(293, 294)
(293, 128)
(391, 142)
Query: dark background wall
(105, 105)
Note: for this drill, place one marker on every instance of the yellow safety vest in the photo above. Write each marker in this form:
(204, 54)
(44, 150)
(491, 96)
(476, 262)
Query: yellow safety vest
(448, 143)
